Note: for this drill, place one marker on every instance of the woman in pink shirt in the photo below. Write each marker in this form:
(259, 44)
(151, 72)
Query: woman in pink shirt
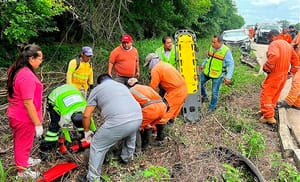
(25, 107)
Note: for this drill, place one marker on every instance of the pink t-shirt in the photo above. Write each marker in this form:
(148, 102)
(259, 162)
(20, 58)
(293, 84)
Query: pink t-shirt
(26, 86)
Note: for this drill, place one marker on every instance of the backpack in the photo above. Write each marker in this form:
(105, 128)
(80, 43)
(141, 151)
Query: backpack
(78, 63)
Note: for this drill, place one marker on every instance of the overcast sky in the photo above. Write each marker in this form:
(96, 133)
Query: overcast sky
(260, 11)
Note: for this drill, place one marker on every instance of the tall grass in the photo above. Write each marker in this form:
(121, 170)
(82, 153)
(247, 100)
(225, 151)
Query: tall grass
(4, 173)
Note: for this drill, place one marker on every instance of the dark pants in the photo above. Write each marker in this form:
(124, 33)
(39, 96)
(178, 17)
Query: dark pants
(122, 79)
(55, 118)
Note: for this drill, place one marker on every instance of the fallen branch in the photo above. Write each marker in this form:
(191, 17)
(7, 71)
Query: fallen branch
(228, 132)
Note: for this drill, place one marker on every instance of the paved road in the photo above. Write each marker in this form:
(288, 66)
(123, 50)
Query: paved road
(289, 119)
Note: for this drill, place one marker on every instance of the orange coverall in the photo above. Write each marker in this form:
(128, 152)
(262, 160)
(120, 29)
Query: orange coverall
(173, 83)
(153, 107)
(287, 37)
(293, 98)
(251, 32)
(280, 57)
(296, 42)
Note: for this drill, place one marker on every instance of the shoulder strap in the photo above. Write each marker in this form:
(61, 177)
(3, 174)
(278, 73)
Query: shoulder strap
(77, 62)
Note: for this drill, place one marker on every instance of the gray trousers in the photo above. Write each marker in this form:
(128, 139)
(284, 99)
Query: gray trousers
(104, 139)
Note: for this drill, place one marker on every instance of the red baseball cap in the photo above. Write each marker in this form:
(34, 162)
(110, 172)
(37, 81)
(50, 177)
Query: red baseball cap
(126, 38)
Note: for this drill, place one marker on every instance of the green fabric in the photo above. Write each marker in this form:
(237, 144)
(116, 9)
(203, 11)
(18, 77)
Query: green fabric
(214, 65)
(67, 99)
(51, 136)
(92, 125)
(66, 133)
(161, 53)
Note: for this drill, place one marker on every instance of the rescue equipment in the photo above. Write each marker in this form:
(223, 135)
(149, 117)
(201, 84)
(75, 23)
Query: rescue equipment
(78, 146)
(186, 51)
(57, 171)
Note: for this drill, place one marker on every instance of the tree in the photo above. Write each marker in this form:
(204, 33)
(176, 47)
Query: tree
(297, 26)
(284, 23)
(221, 16)
(22, 20)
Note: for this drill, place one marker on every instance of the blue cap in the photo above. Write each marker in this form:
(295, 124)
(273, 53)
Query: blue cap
(87, 51)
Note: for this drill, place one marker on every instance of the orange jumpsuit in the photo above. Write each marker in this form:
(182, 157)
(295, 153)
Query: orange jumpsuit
(153, 107)
(293, 98)
(280, 57)
(251, 33)
(296, 42)
(287, 37)
(173, 83)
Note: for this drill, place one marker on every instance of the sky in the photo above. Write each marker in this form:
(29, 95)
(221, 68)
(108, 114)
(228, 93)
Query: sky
(262, 11)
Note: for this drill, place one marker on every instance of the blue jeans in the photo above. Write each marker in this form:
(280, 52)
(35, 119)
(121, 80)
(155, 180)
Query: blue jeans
(216, 82)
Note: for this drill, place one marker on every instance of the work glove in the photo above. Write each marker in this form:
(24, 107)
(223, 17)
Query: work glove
(227, 81)
(39, 131)
(88, 135)
(201, 68)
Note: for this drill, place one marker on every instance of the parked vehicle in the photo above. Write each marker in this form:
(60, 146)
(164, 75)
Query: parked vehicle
(237, 38)
(261, 34)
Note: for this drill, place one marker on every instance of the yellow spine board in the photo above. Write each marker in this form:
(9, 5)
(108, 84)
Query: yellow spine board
(187, 61)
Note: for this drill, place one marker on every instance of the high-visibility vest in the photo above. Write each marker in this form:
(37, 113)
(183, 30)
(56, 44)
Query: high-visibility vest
(214, 65)
(161, 54)
(67, 99)
(80, 75)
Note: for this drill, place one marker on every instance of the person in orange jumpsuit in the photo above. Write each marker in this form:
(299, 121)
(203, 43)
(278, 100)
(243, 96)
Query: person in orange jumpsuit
(293, 97)
(165, 75)
(284, 35)
(153, 109)
(296, 44)
(251, 32)
(280, 58)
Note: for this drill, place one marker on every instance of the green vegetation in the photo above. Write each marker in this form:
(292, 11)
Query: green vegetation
(101, 23)
(156, 172)
(153, 173)
(285, 171)
(22, 20)
(62, 29)
(4, 173)
(232, 174)
(253, 144)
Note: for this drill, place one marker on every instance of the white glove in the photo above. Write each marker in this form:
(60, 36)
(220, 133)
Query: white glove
(88, 135)
(39, 131)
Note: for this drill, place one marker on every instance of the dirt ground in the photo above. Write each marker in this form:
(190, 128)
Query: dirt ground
(187, 151)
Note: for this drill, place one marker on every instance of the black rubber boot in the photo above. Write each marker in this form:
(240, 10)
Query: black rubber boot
(160, 132)
(146, 136)
(138, 143)
(46, 148)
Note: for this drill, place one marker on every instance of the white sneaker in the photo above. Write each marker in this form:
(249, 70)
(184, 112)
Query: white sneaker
(27, 173)
(33, 162)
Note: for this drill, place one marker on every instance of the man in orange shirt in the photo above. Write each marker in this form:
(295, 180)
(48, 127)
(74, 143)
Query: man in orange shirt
(281, 59)
(124, 60)
(165, 75)
(284, 35)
